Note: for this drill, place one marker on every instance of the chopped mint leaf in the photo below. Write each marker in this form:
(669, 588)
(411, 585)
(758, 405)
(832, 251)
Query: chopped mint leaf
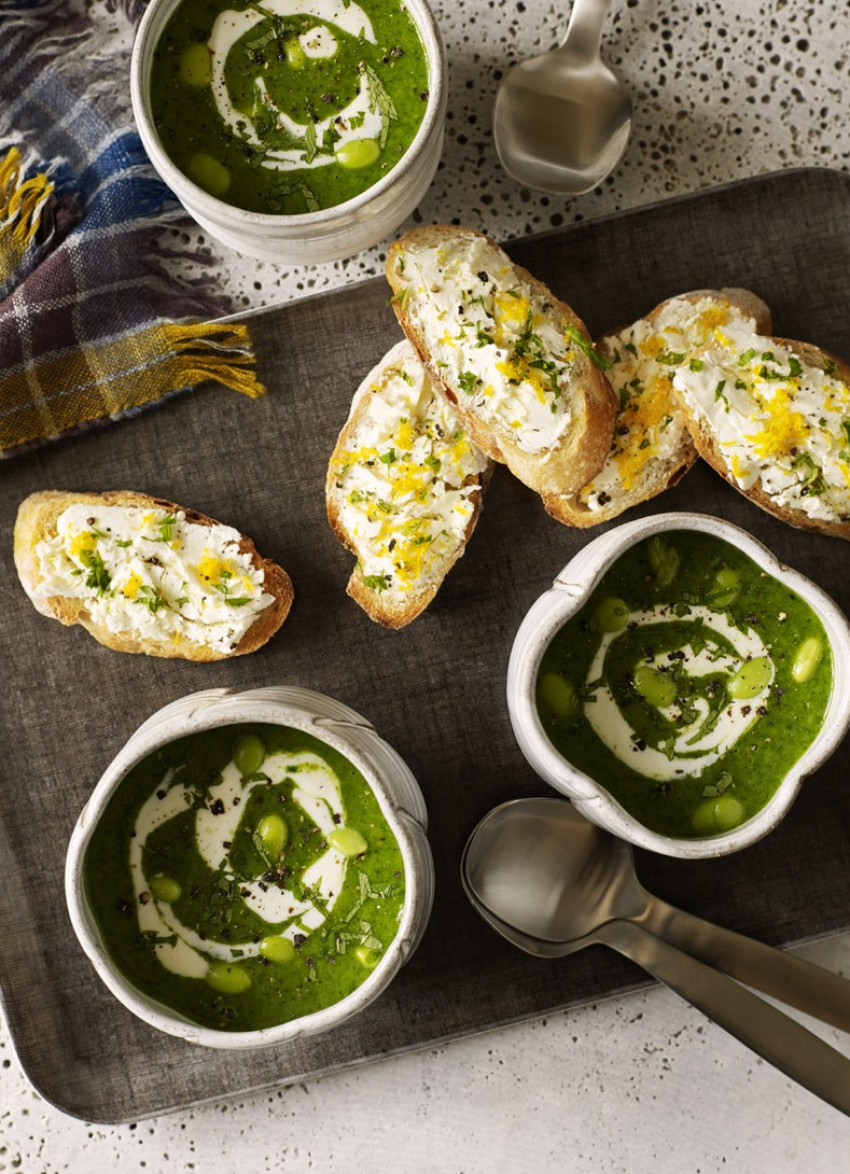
(149, 598)
(98, 577)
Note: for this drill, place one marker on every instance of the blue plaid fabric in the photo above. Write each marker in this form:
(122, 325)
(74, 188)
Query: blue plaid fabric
(88, 301)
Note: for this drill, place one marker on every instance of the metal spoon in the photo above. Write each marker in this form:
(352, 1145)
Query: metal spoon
(552, 883)
(562, 120)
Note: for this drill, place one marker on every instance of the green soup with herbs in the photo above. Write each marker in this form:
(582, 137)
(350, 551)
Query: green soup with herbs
(288, 106)
(245, 876)
(688, 685)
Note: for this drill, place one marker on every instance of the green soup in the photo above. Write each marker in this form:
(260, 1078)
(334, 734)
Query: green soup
(688, 685)
(245, 876)
(288, 106)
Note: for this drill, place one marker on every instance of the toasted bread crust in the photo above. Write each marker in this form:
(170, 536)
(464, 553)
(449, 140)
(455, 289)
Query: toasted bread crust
(387, 608)
(710, 452)
(37, 519)
(581, 452)
(662, 471)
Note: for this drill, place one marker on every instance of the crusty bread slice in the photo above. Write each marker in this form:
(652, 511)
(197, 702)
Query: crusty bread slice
(772, 416)
(156, 628)
(652, 446)
(515, 363)
(404, 489)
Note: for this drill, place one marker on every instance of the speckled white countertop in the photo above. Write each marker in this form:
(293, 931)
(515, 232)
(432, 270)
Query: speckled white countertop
(723, 89)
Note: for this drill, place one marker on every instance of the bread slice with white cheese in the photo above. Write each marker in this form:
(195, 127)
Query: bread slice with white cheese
(144, 575)
(652, 447)
(404, 489)
(772, 416)
(515, 363)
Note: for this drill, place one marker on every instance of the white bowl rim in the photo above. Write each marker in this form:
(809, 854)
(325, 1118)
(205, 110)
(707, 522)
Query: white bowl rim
(572, 587)
(219, 210)
(218, 707)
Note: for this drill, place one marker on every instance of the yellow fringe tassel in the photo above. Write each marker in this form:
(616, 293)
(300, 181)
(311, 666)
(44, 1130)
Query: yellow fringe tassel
(21, 205)
(223, 353)
(55, 394)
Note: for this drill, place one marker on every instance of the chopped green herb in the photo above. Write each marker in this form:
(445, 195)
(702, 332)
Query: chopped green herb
(586, 347)
(166, 528)
(811, 475)
(149, 598)
(382, 102)
(98, 577)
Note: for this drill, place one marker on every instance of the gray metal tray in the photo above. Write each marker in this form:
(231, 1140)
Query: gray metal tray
(435, 690)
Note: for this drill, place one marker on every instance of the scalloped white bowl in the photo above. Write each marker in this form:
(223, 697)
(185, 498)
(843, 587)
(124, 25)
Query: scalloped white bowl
(345, 731)
(308, 238)
(571, 589)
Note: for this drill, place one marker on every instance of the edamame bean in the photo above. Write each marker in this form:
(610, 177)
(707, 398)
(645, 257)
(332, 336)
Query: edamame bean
(348, 841)
(227, 979)
(657, 688)
(727, 584)
(277, 949)
(274, 833)
(806, 659)
(366, 957)
(718, 815)
(557, 695)
(358, 153)
(664, 560)
(611, 613)
(209, 173)
(248, 754)
(195, 67)
(165, 888)
(728, 812)
(295, 55)
(751, 678)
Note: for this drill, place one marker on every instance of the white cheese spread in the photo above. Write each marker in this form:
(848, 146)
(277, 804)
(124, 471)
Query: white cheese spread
(501, 348)
(407, 479)
(779, 422)
(153, 574)
(644, 358)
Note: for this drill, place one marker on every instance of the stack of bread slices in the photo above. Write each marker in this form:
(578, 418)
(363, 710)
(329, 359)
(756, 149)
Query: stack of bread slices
(494, 367)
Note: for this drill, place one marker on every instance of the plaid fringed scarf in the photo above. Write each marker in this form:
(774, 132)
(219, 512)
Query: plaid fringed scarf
(93, 321)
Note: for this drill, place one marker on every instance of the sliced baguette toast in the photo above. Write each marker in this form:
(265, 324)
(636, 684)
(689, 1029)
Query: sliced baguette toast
(652, 447)
(142, 574)
(515, 363)
(404, 489)
(772, 416)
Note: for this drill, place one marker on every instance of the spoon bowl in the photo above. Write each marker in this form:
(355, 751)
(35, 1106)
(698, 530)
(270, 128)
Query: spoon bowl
(562, 120)
(547, 875)
(551, 883)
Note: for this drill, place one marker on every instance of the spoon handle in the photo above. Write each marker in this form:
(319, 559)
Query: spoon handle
(793, 981)
(584, 32)
(770, 1033)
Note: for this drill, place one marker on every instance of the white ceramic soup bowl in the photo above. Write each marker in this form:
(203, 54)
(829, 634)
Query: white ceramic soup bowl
(567, 596)
(329, 234)
(343, 730)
